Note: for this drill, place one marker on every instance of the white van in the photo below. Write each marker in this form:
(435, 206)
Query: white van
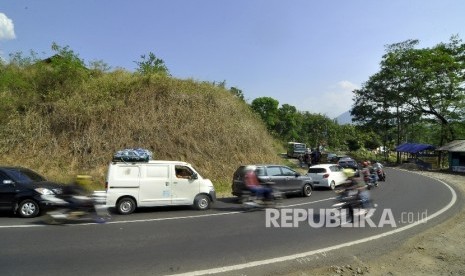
(156, 183)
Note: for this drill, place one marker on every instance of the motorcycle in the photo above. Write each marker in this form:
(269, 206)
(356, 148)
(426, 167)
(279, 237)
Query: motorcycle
(250, 200)
(76, 208)
(381, 174)
(350, 203)
(371, 180)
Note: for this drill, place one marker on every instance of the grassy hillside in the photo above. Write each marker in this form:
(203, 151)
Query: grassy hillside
(68, 128)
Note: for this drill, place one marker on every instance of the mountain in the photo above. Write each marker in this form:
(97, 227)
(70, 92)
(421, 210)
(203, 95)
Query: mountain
(344, 119)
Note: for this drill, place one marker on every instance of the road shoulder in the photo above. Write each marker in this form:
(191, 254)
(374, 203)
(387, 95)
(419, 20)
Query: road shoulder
(436, 251)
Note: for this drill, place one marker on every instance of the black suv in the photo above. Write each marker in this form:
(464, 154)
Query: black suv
(25, 192)
(283, 178)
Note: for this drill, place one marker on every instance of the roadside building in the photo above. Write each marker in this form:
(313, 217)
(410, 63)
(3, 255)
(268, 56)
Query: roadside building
(455, 155)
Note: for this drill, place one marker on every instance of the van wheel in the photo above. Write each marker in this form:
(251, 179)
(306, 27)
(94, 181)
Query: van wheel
(307, 190)
(126, 206)
(28, 208)
(202, 202)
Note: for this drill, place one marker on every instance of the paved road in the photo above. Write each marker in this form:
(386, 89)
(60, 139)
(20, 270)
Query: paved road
(160, 241)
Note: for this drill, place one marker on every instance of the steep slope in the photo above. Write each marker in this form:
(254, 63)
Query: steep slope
(176, 119)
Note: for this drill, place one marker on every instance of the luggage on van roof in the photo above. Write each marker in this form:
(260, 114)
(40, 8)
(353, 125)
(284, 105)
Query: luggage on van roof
(133, 155)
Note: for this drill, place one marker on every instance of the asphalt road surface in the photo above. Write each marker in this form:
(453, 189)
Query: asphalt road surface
(225, 239)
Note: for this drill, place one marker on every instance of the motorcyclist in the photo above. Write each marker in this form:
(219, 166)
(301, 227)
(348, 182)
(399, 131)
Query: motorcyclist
(77, 194)
(378, 167)
(357, 185)
(369, 173)
(252, 183)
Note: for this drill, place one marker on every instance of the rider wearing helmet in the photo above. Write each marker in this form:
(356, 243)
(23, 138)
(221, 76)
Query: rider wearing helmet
(253, 184)
(77, 193)
(352, 180)
(357, 183)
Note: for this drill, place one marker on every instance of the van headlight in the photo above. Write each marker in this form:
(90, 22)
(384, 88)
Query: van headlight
(44, 191)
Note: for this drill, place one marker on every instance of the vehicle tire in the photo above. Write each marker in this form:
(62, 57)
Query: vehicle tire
(307, 190)
(202, 202)
(126, 206)
(332, 185)
(28, 208)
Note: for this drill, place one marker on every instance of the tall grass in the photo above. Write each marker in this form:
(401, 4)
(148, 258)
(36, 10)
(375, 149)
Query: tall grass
(79, 130)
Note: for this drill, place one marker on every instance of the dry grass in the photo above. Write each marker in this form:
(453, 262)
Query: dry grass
(176, 119)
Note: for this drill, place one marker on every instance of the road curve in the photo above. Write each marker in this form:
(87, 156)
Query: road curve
(164, 241)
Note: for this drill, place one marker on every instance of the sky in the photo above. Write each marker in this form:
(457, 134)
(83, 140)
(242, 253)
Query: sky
(310, 54)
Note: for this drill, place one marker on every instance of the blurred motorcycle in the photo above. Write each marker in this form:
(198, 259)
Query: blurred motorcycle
(250, 200)
(351, 202)
(371, 180)
(347, 201)
(381, 174)
(78, 208)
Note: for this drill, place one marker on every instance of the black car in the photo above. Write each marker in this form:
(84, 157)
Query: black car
(284, 179)
(25, 192)
(347, 162)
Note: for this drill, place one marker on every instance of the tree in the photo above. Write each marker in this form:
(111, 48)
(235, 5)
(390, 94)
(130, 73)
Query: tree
(151, 65)
(287, 124)
(415, 86)
(432, 82)
(267, 108)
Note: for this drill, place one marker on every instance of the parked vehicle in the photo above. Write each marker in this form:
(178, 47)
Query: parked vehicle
(285, 179)
(156, 183)
(25, 192)
(348, 162)
(294, 149)
(327, 175)
(332, 158)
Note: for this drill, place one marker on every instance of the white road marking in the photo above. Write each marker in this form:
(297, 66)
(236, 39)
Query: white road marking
(322, 250)
(161, 219)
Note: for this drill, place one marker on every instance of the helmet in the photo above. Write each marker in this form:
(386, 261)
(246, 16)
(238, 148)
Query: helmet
(348, 172)
(365, 163)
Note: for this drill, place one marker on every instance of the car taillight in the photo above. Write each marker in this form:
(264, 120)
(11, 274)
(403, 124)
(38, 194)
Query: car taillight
(106, 185)
(326, 175)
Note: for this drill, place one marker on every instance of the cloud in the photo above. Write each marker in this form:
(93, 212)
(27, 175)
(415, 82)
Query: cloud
(347, 85)
(336, 100)
(7, 28)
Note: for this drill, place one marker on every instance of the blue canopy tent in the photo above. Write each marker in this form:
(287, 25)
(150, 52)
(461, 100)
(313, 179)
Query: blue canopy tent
(414, 148)
(415, 151)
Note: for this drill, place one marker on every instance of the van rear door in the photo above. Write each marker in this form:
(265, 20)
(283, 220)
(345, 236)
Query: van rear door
(122, 180)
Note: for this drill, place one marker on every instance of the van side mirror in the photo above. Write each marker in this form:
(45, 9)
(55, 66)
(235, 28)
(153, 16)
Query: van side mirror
(194, 176)
(297, 174)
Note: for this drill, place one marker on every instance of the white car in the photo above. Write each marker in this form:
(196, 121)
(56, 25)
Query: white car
(327, 175)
